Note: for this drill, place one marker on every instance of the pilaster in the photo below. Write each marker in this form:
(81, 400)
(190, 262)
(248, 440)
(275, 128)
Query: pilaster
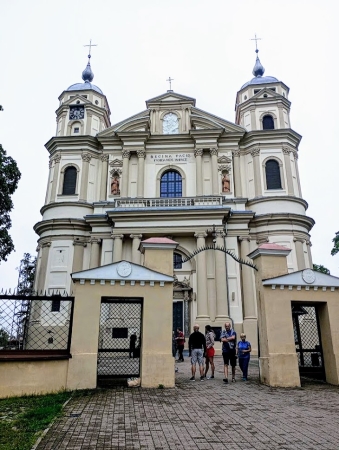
(288, 168)
(236, 171)
(126, 154)
(104, 176)
(117, 247)
(299, 250)
(95, 253)
(136, 255)
(256, 169)
(214, 158)
(222, 312)
(202, 294)
(141, 172)
(198, 157)
(86, 158)
(56, 160)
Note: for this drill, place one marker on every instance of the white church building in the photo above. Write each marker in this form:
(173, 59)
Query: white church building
(174, 170)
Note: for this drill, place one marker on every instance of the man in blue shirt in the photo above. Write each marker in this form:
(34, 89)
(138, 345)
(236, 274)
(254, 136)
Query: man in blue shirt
(228, 338)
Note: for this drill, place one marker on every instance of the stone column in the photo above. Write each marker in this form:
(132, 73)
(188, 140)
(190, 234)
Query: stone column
(104, 175)
(215, 180)
(78, 256)
(125, 169)
(281, 118)
(86, 157)
(95, 253)
(256, 171)
(295, 154)
(56, 160)
(309, 245)
(136, 255)
(141, 172)
(199, 182)
(248, 295)
(44, 249)
(50, 165)
(288, 168)
(117, 247)
(299, 250)
(236, 173)
(202, 303)
(222, 312)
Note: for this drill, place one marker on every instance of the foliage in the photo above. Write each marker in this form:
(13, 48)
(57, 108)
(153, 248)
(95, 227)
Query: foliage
(335, 241)
(9, 179)
(26, 274)
(4, 337)
(320, 268)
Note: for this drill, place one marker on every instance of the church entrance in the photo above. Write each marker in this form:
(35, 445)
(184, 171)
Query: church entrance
(308, 341)
(178, 316)
(119, 338)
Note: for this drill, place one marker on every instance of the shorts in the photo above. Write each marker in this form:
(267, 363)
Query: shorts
(230, 358)
(197, 357)
(210, 352)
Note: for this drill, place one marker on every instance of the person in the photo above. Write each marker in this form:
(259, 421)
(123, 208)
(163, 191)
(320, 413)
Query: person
(132, 343)
(197, 351)
(209, 336)
(180, 344)
(244, 350)
(228, 338)
(174, 345)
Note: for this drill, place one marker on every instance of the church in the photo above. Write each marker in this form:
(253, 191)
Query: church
(175, 171)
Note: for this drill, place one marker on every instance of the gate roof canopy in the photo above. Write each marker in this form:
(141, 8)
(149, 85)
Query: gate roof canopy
(111, 272)
(306, 277)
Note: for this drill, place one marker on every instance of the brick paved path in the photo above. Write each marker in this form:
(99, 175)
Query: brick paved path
(201, 415)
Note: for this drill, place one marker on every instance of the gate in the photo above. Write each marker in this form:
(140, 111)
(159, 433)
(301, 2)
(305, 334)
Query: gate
(119, 338)
(178, 316)
(308, 341)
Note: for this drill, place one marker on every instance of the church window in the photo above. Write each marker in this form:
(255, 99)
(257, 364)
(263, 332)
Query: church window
(177, 261)
(257, 90)
(55, 306)
(273, 179)
(76, 130)
(272, 89)
(265, 95)
(170, 124)
(171, 184)
(268, 122)
(70, 179)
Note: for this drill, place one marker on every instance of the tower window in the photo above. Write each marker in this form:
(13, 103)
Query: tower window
(256, 91)
(70, 180)
(177, 261)
(171, 184)
(273, 179)
(76, 130)
(268, 122)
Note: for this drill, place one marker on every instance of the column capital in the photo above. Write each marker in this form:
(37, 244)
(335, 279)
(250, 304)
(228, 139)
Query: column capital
(95, 240)
(57, 158)
(117, 236)
(198, 152)
(104, 158)
(86, 157)
(309, 243)
(236, 153)
(126, 154)
(244, 238)
(220, 233)
(135, 236)
(141, 153)
(214, 151)
(50, 163)
(295, 154)
(200, 234)
(255, 151)
(287, 150)
(298, 239)
(45, 244)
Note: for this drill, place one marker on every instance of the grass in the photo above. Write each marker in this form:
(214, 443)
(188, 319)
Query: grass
(22, 419)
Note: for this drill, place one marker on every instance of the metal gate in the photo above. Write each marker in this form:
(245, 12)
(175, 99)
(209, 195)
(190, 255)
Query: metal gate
(119, 338)
(308, 341)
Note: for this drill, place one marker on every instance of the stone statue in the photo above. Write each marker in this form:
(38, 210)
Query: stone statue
(115, 186)
(225, 183)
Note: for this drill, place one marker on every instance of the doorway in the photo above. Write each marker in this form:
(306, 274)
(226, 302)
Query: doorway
(178, 316)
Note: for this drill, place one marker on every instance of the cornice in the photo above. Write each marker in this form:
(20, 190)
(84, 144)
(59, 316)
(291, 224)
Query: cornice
(248, 104)
(240, 217)
(212, 133)
(53, 225)
(278, 136)
(267, 220)
(276, 198)
(90, 143)
(81, 204)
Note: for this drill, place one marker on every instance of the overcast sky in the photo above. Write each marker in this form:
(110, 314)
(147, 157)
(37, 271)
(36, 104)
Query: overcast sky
(204, 46)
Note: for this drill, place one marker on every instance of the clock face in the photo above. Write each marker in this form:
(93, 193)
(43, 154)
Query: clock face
(124, 269)
(170, 124)
(76, 112)
(308, 276)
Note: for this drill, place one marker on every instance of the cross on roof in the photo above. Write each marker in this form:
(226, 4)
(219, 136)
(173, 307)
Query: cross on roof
(90, 47)
(256, 46)
(169, 79)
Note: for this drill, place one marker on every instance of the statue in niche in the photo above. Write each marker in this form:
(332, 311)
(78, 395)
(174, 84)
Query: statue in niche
(115, 186)
(225, 183)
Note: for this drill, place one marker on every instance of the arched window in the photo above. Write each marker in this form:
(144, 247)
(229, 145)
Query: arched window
(268, 123)
(273, 180)
(177, 261)
(70, 180)
(171, 184)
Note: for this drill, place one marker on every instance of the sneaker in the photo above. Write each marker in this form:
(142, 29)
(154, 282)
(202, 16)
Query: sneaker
(233, 380)
(176, 369)
(225, 380)
(192, 379)
(211, 377)
(202, 378)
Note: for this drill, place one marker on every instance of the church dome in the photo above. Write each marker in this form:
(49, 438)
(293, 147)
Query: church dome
(87, 76)
(258, 72)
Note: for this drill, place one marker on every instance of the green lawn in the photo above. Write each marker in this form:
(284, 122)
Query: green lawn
(22, 419)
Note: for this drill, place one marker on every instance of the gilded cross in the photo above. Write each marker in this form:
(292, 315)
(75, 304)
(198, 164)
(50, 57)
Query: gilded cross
(256, 46)
(90, 47)
(170, 82)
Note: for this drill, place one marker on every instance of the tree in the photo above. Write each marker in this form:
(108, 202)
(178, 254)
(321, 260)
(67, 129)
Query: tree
(26, 274)
(320, 268)
(335, 241)
(4, 337)
(9, 179)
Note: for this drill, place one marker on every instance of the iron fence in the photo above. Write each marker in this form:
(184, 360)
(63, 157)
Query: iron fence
(33, 325)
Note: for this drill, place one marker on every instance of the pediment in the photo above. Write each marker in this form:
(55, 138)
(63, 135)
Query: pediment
(266, 91)
(116, 163)
(224, 160)
(203, 120)
(138, 122)
(74, 99)
(110, 272)
(307, 277)
(170, 98)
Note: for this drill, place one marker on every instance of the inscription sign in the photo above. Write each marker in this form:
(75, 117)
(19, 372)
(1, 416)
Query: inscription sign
(175, 157)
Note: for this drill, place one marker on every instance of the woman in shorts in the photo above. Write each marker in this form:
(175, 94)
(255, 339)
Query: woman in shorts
(210, 336)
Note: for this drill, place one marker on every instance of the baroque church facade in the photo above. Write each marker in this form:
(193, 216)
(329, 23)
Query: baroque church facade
(174, 170)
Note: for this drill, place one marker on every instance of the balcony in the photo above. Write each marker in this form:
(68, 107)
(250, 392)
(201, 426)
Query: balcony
(168, 202)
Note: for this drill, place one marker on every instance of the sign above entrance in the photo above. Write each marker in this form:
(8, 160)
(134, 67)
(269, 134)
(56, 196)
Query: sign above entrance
(171, 158)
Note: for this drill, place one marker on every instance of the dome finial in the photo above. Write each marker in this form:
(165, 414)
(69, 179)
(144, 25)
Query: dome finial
(87, 74)
(258, 69)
